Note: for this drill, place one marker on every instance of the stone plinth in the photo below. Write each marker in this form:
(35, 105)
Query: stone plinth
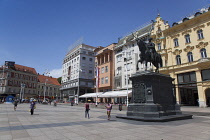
(153, 98)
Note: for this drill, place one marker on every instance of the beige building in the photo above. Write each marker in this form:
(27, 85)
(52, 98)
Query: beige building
(18, 81)
(185, 50)
(48, 87)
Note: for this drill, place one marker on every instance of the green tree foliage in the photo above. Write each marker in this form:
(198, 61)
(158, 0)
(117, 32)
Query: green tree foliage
(59, 79)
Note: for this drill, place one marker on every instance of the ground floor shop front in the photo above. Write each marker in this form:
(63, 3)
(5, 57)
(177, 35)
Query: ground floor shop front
(193, 88)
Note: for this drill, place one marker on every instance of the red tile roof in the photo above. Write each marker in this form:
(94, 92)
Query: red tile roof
(51, 80)
(25, 69)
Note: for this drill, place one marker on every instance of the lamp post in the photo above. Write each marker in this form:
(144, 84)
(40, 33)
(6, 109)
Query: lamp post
(46, 72)
(45, 88)
(126, 69)
(77, 96)
(22, 91)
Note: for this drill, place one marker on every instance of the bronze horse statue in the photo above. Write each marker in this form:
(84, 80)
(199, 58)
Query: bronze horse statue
(148, 54)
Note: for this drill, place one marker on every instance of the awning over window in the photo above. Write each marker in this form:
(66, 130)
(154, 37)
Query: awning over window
(120, 93)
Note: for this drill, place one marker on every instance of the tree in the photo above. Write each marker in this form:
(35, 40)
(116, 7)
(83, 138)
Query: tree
(59, 79)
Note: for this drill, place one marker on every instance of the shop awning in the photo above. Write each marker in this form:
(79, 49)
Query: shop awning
(108, 94)
(120, 93)
(88, 95)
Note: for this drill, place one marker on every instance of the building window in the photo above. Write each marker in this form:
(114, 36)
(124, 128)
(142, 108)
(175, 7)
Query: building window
(90, 71)
(106, 68)
(187, 38)
(102, 70)
(178, 60)
(205, 74)
(186, 77)
(200, 34)
(106, 79)
(119, 58)
(176, 43)
(159, 46)
(190, 57)
(83, 58)
(102, 80)
(119, 70)
(91, 59)
(203, 53)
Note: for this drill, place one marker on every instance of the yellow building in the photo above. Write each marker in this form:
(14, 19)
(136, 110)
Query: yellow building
(185, 50)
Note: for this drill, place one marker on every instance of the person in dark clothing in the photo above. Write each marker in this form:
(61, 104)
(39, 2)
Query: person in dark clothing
(87, 108)
(32, 107)
(15, 104)
(120, 106)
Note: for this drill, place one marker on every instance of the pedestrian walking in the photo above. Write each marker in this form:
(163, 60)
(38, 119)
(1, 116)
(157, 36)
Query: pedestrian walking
(15, 104)
(108, 108)
(120, 106)
(32, 106)
(55, 103)
(87, 108)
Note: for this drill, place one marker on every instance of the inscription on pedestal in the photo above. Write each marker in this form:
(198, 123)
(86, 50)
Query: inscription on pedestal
(139, 93)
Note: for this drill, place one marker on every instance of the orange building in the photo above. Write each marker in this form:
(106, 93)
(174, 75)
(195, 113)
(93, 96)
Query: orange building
(104, 62)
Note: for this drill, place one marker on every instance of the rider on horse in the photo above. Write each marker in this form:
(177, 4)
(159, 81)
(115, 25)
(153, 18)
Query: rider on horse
(151, 49)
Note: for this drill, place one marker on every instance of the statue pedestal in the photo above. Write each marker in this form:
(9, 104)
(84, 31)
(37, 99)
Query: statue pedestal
(153, 99)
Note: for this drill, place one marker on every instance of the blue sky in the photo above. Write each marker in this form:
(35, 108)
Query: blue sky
(38, 33)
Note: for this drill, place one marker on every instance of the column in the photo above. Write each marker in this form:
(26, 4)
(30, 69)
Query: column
(201, 92)
(177, 91)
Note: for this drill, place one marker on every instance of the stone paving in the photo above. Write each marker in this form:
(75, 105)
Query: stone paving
(65, 122)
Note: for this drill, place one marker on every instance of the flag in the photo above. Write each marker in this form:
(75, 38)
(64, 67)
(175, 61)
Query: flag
(97, 77)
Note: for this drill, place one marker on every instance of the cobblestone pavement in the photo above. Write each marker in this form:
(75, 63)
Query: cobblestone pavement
(66, 122)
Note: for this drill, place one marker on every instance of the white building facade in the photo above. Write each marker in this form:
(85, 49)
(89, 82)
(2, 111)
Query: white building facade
(126, 57)
(78, 72)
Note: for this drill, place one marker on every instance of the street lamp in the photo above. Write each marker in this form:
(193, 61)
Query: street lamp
(46, 72)
(45, 88)
(22, 91)
(126, 68)
(77, 96)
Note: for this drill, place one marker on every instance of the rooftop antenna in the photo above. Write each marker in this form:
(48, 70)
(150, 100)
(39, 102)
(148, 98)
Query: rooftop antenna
(158, 12)
(76, 43)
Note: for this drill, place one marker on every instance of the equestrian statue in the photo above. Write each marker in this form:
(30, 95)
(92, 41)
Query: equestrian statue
(148, 54)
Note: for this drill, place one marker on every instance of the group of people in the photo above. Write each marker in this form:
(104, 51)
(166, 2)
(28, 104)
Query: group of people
(32, 105)
(87, 108)
(108, 109)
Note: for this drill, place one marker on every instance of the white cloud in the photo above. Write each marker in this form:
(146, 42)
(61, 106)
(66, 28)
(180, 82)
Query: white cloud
(56, 73)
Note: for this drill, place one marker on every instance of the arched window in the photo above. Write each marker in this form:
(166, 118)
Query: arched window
(178, 60)
(190, 57)
(187, 38)
(200, 34)
(203, 53)
(176, 43)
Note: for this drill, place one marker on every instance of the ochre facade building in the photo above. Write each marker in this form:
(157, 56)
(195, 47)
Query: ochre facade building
(185, 50)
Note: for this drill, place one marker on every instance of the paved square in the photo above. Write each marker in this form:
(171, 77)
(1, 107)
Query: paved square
(65, 122)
